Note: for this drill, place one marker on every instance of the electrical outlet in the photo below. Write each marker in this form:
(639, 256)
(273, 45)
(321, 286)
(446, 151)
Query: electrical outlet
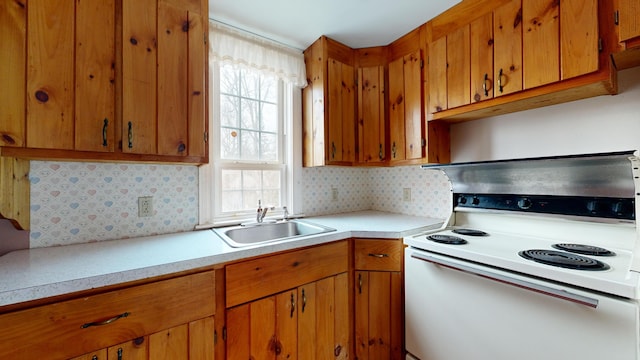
(406, 194)
(334, 194)
(145, 206)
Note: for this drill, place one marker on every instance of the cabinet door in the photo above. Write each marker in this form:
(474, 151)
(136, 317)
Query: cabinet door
(50, 74)
(264, 329)
(170, 344)
(13, 29)
(578, 41)
(405, 107)
(438, 75)
(541, 42)
(396, 109)
(414, 131)
(95, 76)
(458, 68)
(482, 58)
(139, 74)
(507, 38)
(371, 114)
(629, 19)
(201, 339)
(323, 319)
(378, 315)
(181, 74)
(342, 112)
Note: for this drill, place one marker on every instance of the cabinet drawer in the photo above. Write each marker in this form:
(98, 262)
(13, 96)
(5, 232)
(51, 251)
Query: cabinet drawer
(378, 255)
(253, 279)
(70, 328)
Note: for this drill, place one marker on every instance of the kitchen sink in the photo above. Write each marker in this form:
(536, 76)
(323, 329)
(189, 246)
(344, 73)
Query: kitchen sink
(261, 233)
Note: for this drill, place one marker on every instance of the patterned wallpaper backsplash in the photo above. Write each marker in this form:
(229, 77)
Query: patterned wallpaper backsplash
(75, 202)
(83, 202)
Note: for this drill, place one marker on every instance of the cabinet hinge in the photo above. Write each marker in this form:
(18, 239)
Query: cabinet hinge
(600, 45)
(424, 142)
(616, 17)
(421, 63)
(206, 137)
(215, 337)
(224, 333)
(205, 38)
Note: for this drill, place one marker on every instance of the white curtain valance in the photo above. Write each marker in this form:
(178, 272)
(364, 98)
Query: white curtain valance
(229, 46)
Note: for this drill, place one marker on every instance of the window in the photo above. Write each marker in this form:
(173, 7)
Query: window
(250, 152)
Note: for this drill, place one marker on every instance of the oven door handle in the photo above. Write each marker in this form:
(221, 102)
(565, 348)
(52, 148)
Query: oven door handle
(561, 294)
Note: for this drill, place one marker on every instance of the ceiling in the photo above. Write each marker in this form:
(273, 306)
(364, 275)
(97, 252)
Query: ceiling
(355, 23)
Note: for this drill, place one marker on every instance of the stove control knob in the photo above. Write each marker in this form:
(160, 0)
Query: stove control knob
(620, 208)
(595, 206)
(475, 201)
(462, 200)
(524, 204)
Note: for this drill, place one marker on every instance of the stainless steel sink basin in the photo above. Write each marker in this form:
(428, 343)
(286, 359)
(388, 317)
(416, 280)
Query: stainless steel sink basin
(260, 233)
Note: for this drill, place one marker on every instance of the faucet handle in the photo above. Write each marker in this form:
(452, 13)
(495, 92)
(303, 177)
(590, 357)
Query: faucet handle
(285, 216)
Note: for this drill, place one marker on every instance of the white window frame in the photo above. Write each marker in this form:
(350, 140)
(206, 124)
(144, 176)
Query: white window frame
(290, 110)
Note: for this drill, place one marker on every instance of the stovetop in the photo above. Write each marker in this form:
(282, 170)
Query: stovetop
(510, 234)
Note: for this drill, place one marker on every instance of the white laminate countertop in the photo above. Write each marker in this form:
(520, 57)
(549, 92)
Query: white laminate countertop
(33, 274)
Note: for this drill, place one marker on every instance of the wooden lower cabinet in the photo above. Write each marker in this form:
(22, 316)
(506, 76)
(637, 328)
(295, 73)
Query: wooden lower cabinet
(167, 319)
(194, 341)
(292, 305)
(379, 299)
(308, 322)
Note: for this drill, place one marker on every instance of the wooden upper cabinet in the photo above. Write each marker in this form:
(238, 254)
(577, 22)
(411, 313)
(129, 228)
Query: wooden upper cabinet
(329, 104)
(95, 76)
(105, 80)
(522, 55)
(507, 38)
(541, 42)
(70, 75)
(50, 74)
(139, 74)
(438, 75)
(13, 28)
(458, 67)
(628, 19)
(628, 29)
(481, 31)
(371, 116)
(405, 107)
(579, 42)
(342, 112)
(163, 68)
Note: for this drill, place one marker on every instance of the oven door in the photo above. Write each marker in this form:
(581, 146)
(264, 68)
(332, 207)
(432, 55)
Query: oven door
(460, 310)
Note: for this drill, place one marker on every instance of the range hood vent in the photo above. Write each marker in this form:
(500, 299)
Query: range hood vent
(597, 175)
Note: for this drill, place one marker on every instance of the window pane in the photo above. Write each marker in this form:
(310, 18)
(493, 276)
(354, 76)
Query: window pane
(271, 179)
(229, 144)
(250, 199)
(269, 147)
(271, 198)
(250, 145)
(231, 201)
(229, 115)
(250, 114)
(269, 117)
(231, 180)
(252, 179)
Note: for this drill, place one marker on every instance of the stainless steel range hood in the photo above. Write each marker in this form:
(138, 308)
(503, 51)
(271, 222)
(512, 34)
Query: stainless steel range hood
(598, 175)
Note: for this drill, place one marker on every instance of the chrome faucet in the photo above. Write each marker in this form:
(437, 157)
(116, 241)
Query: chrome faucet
(262, 212)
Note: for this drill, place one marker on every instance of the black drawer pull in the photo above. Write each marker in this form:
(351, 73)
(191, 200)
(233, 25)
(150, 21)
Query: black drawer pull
(106, 322)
